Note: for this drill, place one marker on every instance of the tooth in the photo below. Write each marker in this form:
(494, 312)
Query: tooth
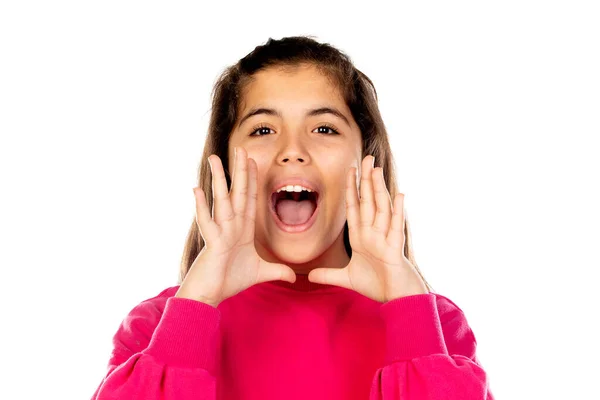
(293, 188)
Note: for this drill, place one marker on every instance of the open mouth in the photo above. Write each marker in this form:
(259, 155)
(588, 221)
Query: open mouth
(294, 209)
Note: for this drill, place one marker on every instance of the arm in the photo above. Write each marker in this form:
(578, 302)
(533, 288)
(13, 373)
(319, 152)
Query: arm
(430, 353)
(164, 354)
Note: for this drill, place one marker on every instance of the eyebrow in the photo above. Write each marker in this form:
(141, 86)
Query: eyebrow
(310, 113)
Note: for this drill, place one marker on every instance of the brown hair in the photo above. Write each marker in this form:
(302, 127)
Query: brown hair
(289, 52)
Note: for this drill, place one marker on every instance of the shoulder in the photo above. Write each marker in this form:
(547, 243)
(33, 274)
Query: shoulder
(160, 300)
(136, 329)
(151, 309)
(447, 309)
(458, 335)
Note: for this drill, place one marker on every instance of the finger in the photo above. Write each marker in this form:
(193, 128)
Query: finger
(395, 237)
(274, 272)
(239, 187)
(222, 205)
(382, 201)
(251, 196)
(352, 206)
(331, 276)
(367, 203)
(208, 229)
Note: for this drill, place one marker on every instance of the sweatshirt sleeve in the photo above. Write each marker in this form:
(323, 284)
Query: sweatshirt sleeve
(430, 353)
(164, 349)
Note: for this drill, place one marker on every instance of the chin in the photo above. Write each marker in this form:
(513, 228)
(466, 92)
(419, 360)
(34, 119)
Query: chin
(294, 254)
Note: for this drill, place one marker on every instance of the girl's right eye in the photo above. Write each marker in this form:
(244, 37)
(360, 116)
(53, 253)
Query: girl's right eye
(258, 128)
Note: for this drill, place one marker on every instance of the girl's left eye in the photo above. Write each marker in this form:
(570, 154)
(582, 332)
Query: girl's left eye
(335, 132)
(261, 127)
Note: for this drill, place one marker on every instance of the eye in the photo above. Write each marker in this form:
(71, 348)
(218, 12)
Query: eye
(258, 128)
(263, 127)
(331, 128)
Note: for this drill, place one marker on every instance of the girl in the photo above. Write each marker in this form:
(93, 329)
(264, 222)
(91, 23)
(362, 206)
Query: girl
(302, 284)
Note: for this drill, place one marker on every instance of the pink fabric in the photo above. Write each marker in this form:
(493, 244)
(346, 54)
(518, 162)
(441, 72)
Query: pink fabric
(278, 340)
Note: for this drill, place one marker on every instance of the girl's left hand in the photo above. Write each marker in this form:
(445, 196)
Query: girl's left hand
(378, 268)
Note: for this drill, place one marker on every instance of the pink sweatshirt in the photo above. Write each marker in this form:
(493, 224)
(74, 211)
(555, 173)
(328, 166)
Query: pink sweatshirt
(278, 340)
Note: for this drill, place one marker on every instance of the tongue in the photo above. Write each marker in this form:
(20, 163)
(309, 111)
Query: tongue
(292, 212)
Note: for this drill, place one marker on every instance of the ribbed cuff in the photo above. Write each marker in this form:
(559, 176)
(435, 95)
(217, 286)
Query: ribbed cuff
(187, 334)
(413, 328)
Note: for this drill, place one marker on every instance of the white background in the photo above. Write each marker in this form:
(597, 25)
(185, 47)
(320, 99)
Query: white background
(493, 109)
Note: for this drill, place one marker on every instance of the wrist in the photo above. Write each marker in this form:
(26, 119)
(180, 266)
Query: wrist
(182, 293)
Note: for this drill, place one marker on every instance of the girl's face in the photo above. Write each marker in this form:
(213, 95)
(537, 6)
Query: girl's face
(287, 139)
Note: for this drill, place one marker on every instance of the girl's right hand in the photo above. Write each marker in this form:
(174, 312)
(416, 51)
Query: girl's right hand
(229, 263)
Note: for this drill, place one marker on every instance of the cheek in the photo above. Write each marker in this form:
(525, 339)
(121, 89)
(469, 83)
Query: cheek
(336, 196)
(257, 154)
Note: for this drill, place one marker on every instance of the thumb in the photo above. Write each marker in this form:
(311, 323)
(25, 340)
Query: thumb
(331, 276)
(268, 271)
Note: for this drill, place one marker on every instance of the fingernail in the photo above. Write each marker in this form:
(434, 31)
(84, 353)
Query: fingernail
(373, 165)
(234, 152)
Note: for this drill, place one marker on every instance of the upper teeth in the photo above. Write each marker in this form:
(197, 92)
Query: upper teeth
(293, 188)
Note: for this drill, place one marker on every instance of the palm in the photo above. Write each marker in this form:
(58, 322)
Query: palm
(244, 268)
(378, 268)
(229, 263)
(368, 270)
(248, 266)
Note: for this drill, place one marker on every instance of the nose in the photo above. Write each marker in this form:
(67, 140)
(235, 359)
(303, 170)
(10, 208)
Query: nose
(293, 151)
(287, 159)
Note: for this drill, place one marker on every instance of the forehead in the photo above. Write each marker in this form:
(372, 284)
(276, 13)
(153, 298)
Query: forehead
(291, 87)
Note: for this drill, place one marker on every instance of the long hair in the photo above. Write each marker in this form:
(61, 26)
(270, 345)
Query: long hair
(356, 88)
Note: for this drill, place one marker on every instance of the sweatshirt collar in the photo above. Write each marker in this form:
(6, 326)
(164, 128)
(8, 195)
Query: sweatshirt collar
(302, 284)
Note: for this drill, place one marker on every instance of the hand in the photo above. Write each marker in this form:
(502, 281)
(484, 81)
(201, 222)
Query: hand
(378, 268)
(229, 263)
